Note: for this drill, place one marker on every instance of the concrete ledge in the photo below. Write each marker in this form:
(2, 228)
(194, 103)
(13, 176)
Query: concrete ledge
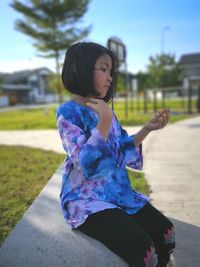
(42, 238)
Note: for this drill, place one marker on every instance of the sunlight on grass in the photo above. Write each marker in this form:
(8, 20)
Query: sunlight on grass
(45, 118)
(138, 181)
(23, 173)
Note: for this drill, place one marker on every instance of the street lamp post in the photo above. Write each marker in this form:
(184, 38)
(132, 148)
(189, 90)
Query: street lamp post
(162, 40)
(115, 44)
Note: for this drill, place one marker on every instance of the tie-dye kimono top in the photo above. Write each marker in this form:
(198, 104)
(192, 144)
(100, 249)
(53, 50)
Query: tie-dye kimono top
(95, 175)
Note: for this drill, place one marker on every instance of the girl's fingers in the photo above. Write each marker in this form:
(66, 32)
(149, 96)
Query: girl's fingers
(165, 122)
(93, 100)
(161, 119)
(91, 103)
(165, 116)
(158, 115)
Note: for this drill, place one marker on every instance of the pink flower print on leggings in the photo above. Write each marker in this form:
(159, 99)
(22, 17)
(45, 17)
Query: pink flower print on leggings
(151, 258)
(169, 236)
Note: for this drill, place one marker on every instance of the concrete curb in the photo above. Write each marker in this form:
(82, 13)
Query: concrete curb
(53, 243)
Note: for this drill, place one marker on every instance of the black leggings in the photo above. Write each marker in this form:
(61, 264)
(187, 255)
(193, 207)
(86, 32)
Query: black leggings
(144, 239)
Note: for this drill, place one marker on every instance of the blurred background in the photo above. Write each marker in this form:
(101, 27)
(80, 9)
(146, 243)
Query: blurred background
(161, 42)
(158, 48)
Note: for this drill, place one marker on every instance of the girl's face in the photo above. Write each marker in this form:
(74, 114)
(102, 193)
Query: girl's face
(102, 76)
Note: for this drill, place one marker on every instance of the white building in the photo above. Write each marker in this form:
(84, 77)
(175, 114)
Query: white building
(27, 86)
(191, 70)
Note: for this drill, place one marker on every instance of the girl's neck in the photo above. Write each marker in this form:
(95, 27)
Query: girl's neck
(81, 99)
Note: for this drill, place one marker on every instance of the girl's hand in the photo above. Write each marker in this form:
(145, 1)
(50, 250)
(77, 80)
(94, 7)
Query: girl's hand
(159, 121)
(100, 107)
(105, 115)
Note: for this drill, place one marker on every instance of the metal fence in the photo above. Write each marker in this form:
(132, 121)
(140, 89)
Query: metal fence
(178, 99)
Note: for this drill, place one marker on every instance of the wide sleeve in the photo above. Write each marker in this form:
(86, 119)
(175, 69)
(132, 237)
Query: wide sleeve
(91, 154)
(132, 155)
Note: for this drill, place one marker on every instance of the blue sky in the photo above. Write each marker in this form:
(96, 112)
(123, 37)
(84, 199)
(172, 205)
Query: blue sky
(140, 24)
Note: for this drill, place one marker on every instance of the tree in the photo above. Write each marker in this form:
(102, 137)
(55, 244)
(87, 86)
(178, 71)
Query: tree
(143, 80)
(164, 71)
(52, 83)
(120, 83)
(52, 25)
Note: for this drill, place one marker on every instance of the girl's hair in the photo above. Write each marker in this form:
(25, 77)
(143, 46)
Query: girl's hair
(78, 67)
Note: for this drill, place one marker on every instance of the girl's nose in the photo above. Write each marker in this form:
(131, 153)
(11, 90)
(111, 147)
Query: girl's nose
(109, 77)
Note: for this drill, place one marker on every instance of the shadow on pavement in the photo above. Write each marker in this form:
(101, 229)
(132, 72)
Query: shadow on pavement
(187, 236)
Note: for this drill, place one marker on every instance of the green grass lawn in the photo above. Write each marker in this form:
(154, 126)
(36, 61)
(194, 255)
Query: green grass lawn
(45, 118)
(136, 115)
(23, 173)
(24, 119)
(138, 181)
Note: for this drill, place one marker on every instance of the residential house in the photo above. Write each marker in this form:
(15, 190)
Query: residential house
(191, 70)
(28, 86)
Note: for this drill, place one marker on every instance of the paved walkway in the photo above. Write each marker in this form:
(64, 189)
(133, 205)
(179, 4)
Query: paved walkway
(44, 139)
(172, 167)
(171, 164)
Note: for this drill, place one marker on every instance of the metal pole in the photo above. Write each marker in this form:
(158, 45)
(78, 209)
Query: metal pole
(155, 100)
(190, 99)
(162, 39)
(163, 98)
(198, 100)
(145, 101)
(126, 88)
(131, 94)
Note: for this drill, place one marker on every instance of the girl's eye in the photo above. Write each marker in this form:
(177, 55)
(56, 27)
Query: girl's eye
(103, 69)
(106, 71)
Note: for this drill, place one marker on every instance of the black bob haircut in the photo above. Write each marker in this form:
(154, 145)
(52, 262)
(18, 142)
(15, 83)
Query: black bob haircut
(78, 67)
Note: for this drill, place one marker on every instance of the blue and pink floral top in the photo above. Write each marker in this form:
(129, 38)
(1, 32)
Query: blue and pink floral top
(95, 175)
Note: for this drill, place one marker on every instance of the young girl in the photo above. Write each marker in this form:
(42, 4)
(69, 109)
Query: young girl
(96, 195)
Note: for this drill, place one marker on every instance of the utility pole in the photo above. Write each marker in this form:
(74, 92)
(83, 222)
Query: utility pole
(162, 39)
